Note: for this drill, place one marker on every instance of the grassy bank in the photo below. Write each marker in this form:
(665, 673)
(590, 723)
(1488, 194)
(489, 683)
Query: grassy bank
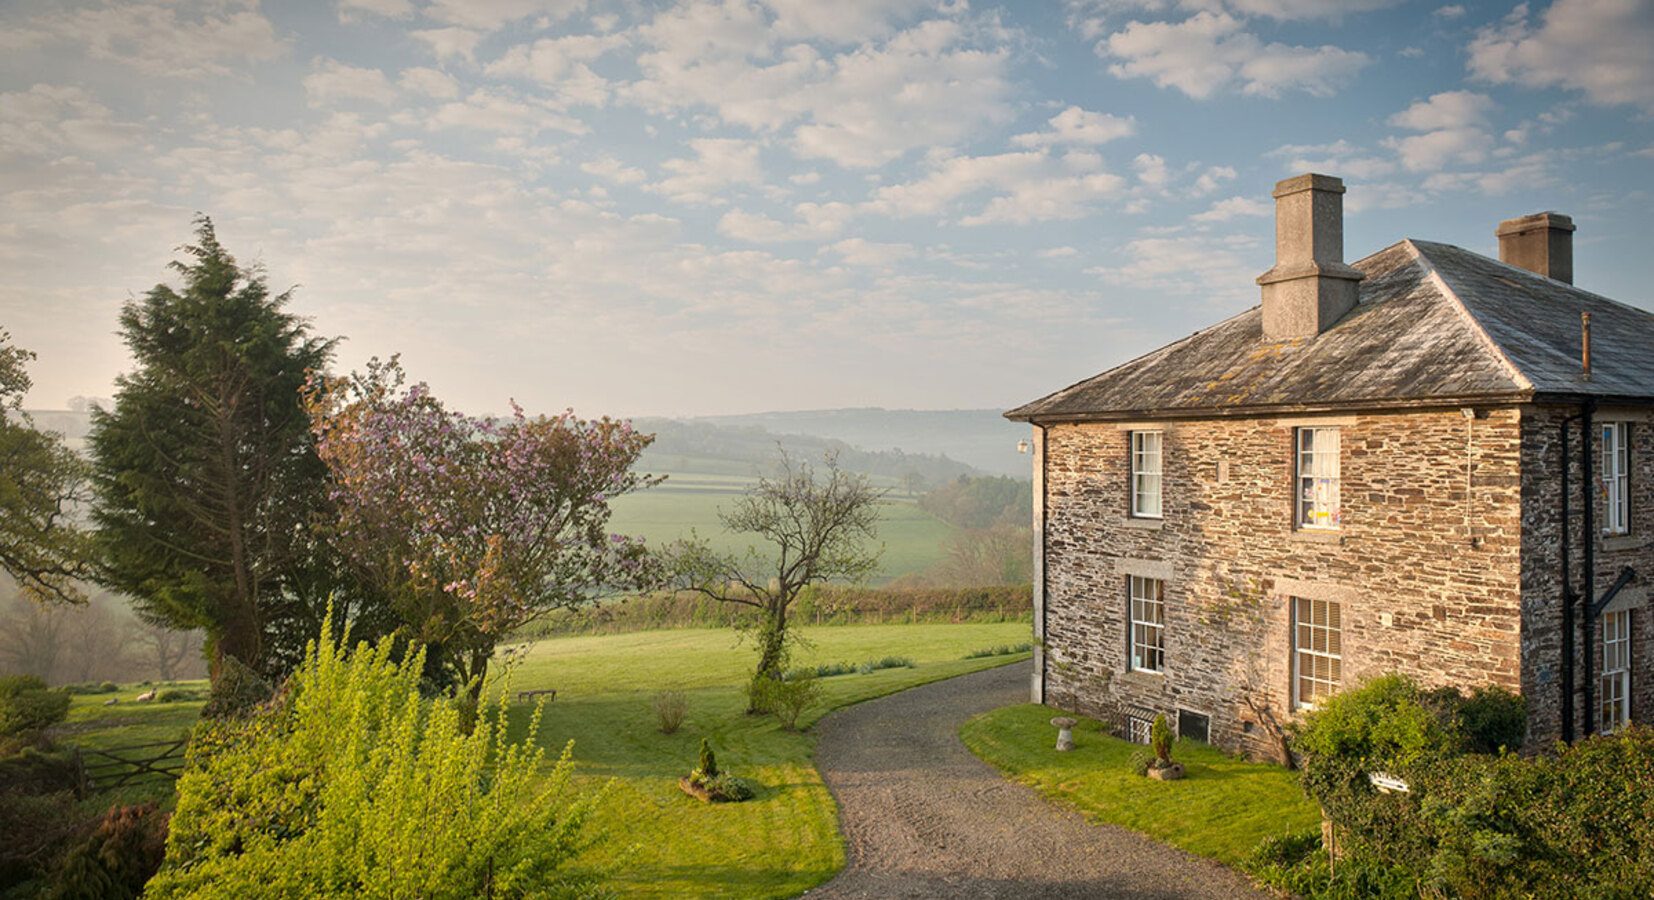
(1222, 809)
(664, 844)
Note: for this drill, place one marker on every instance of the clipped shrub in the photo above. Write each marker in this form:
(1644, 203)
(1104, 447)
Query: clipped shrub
(237, 691)
(353, 785)
(115, 860)
(786, 700)
(671, 706)
(26, 705)
(177, 695)
(707, 763)
(1160, 738)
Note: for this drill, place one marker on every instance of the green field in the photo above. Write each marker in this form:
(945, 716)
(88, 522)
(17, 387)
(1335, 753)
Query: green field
(912, 538)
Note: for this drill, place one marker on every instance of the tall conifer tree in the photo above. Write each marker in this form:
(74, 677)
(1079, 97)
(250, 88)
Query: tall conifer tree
(205, 472)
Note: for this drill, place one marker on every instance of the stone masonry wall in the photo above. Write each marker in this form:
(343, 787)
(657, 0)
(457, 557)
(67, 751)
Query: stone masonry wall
(1426, 563)
(1541, 563)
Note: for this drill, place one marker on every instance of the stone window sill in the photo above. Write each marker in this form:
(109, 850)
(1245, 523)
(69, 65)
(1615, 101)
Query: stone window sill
(1145, 524)
(1143, 680)
(1623, 542)
(1317, 537)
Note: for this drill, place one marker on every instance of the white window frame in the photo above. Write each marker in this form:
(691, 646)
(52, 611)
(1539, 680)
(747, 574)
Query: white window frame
(1139, 730)
(1615, 681)
(1317, 650)
(1315, 478)
(1147, 458)
(1616, 477)
(1147, 613)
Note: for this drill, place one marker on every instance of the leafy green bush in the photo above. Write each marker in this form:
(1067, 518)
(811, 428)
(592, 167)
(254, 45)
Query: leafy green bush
(26, 705)
(36, 771)
(1473, 825)
(786, 700)
(352, 785)
(707, 762)
(177, 695)
(33, 828)
(730, 788)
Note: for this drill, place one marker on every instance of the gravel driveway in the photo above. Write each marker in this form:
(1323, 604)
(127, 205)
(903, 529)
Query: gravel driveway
(923, 818)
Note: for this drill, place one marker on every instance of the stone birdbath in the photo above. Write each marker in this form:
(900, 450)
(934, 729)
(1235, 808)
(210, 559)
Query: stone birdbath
(1065, 732)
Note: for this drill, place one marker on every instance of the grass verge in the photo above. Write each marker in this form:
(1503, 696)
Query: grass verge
(1221, 810)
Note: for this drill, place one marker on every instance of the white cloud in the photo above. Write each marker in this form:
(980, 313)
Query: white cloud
(1599, 47)
(924, 86)
(390, 9)
(1454, 129)
(490, 15)
(1307, 9)
(494, 111)
(183, 40)
(1455, 11)
(460, 43)
(429, 82)
(842, 21)
(1211, 178)
(48, 119)
(335, 81)
(1078, 126)
(561, 64)
(719, 164)
(1210, 51)
(610, 169)
(860, 252)
(1027, 187)
(1151, 170)
(1215, 268)
(1224, 210)
(1062, 252)
(813, 222)
(1341, 159)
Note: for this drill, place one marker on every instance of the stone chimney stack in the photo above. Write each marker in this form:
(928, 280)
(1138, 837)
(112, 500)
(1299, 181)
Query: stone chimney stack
(1542, 242)
(1310, 288)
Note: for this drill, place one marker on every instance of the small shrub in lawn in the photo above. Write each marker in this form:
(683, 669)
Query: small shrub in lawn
(671, 706)
(786, 700)
(731, 788)
(26, 705)
(708, 782)
(826, 670)
(1000, 650)
(707, 762)
(887, 662)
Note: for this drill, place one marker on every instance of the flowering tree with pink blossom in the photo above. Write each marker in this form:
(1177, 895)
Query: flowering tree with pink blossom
(474, 526)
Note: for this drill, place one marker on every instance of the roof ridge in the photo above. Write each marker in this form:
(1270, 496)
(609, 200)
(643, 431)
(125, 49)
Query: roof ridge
(1492, 346)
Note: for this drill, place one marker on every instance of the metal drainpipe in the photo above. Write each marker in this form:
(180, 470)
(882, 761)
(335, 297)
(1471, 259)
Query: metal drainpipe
(1568, 599)
(1044, 547)
(1590, 538)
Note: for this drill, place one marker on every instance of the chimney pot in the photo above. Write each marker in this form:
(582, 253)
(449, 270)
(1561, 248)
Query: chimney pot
(1310, 288)
(1542, 243)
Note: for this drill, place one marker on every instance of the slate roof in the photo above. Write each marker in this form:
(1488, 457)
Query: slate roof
(1435, 325)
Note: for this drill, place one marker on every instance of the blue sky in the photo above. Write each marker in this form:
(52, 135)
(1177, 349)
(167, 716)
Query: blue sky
(720, 207)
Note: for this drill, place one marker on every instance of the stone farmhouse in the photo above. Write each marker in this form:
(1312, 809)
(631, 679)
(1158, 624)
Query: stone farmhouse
(1427, 461)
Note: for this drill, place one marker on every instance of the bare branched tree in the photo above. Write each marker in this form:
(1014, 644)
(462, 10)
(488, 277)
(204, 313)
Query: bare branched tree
(818, 528)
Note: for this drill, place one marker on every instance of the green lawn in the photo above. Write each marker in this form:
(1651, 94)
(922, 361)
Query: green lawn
(1222, 809)
(662, 843)
(912, 538)
(92, 725)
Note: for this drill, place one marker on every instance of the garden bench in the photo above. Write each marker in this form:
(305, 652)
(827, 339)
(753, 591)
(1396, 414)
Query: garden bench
(549, 693)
